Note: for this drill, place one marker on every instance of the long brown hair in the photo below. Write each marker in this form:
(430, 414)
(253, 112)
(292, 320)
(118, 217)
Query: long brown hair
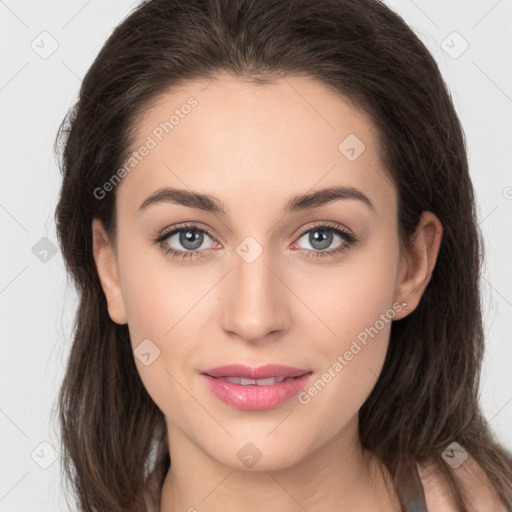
(114, 444)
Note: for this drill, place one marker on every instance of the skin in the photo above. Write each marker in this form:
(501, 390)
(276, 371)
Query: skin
(480, 492)
(254, 147)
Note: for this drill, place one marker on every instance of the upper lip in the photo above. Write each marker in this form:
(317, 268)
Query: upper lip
(259, 372)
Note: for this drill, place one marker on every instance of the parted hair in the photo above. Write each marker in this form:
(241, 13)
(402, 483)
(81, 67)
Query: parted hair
(114, 443)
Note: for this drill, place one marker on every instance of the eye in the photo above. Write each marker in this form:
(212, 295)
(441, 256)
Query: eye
(186, 241)
(323, 235)
(189, 237)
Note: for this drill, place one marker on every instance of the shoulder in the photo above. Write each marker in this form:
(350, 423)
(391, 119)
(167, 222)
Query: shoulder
(438, 496)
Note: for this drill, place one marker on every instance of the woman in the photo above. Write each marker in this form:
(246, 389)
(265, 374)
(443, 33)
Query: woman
(268, 214)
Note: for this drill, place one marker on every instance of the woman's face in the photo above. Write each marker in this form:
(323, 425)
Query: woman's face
(260, 282)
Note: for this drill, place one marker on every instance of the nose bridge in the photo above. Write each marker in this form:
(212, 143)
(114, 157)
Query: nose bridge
(255, 305)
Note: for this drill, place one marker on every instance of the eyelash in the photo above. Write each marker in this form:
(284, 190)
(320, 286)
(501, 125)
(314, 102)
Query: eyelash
(349, 238)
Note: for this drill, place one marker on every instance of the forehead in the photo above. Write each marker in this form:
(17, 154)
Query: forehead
(244, 140)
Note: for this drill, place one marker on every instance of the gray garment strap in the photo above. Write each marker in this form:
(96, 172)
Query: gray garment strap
(411, 491)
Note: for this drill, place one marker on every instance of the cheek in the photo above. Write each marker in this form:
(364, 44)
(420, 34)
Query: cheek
(350, 298)
(157, 293)
(162, 305)
(157, 321)
(149, 309)
(355, 306)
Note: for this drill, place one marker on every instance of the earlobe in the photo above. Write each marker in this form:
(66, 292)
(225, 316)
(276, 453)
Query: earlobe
(106, 266)
(417, 265)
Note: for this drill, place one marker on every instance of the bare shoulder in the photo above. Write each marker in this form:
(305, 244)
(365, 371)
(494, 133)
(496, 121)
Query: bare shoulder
(438, 497)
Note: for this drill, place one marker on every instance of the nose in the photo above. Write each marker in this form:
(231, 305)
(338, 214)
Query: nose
(255, 300)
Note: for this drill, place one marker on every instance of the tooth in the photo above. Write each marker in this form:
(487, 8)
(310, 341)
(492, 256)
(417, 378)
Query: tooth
(258, 382)
(233, 380)
(245, 381)
(266, 382)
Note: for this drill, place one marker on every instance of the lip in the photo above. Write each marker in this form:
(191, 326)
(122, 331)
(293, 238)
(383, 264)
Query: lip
(259, 372)
(253, 397)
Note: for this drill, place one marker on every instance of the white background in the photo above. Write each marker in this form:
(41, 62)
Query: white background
(36, 303)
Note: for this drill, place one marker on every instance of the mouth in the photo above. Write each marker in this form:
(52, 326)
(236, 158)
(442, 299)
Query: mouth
(243, 381)
(259, 373)
(256, 389)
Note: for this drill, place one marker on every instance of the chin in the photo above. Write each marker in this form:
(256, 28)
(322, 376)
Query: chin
(259, 454)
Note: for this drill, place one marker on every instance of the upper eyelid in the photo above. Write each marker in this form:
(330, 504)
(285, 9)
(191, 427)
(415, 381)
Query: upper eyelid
(176, 229)
(306, 229)
(326, 224)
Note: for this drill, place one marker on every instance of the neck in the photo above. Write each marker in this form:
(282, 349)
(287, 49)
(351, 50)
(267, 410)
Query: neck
(334, 477)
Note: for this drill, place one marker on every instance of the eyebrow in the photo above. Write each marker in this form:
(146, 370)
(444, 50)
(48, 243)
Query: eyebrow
(209, 203)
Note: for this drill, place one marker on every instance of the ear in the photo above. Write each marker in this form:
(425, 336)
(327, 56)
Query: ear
(106, 264)
(417, 264)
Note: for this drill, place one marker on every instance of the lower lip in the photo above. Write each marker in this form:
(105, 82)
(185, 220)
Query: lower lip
(253, 397)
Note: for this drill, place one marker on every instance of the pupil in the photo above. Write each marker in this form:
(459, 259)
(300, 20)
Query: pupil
(191, 239)
(323, 240)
